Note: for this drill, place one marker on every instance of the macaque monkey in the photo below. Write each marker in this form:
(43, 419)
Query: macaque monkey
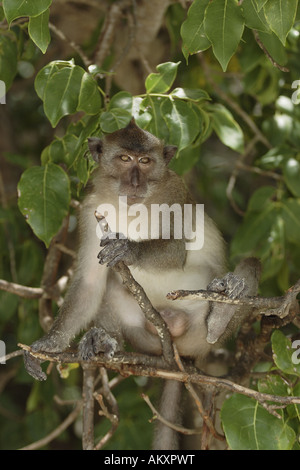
(133, 164)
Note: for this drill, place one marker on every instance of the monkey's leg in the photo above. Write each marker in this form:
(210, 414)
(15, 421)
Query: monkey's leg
(166, 438)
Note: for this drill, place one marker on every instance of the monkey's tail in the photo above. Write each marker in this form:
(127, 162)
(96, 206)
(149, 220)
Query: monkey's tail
(166, 438)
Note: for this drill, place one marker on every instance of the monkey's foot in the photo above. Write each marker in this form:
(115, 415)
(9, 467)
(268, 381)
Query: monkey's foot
(33, 366)
(49, 343)
(230, 285)
(97, 340)
(114, 250)
(220, 315)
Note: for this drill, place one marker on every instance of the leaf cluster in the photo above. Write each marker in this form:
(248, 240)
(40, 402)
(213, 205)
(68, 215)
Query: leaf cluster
(250, 426)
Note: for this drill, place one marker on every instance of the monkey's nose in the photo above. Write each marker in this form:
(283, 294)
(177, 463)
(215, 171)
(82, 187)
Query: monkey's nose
(135, 177)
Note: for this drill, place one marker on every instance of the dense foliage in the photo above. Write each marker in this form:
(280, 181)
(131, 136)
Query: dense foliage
(227, 96)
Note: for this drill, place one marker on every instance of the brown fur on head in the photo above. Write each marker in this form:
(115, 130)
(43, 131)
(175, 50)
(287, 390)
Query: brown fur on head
(133, 139)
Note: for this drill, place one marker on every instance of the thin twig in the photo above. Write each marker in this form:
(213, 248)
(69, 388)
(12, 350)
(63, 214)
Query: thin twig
(108, 31)
(267, 54)
(11, 355)
(21, 291)
(259, 171)
(112, 416)
(157, 415)
(206, 419)
(62, 427)
(87, 62)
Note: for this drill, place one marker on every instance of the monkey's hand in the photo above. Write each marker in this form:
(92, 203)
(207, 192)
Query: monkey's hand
(116, 249)
(97, 340)
(220, 314)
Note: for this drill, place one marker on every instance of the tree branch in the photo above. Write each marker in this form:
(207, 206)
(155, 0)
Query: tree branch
(140, 296)
(21, 291)
(278, 306)
(134, 364)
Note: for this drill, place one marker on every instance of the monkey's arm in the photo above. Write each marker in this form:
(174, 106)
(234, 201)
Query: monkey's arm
(224, 318)
(158, 253)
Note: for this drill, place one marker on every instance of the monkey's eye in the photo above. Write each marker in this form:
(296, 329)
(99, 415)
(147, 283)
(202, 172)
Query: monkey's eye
(144, 160)
(125, 158)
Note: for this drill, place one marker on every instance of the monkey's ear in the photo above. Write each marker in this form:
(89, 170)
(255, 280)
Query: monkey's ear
(95, 147)
(131, 124)
(169, 152)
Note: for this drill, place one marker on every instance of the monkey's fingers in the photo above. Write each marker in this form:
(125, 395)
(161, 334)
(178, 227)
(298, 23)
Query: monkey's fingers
(114, 252)
(97, 340)
(33, 366)
(235, 286)
(111, 238)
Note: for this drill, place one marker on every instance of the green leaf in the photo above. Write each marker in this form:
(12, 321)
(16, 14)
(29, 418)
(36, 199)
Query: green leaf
(253, 233)
(260, 4)
(185, 159)
(262, 199)
(274, 385)
(44, 196)
(192, 31)
(291, 173)
(227, 129)
(157, 124)
(272, 254)
(249, 426)
(254, 19)
(15, 8)
(280, 15)
(224, 26)
(190, 94)
(116, 118)
(62, 92)
(89, 99)
(44, 75)
(39, 30)
(162, 81)
(182, 122)
(123, 100)
(290, 210)
(283, 353)
(61, 150)
(8, 60)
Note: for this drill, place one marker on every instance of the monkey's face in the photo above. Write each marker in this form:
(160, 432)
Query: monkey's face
(133, 174)
(132, 160)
